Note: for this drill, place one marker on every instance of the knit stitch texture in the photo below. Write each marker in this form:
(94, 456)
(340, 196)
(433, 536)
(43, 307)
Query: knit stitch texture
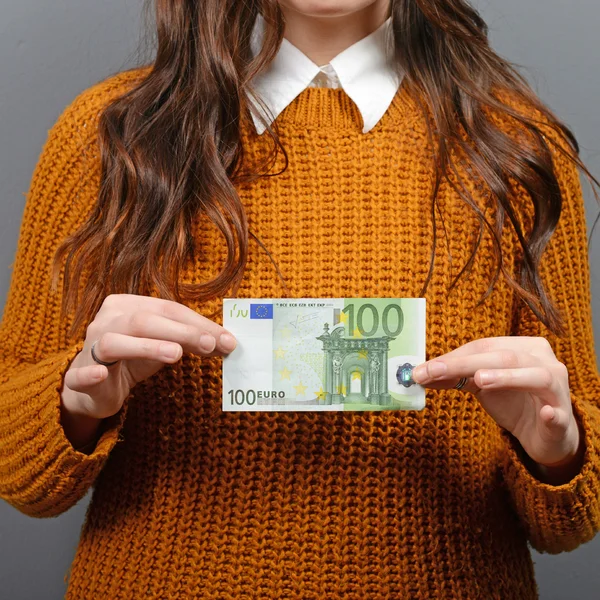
(191, 502)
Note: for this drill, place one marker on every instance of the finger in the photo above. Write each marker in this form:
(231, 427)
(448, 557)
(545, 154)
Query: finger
(448, 384)
(555, 420)
(182, 314)
(454, 367)
(540, 380)
(145, 324)
(532, 344)
(225, 340)
(113, 346)
(83, 379)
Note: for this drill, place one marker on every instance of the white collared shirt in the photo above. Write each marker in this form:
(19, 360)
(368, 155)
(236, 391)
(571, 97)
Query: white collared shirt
(364, 71)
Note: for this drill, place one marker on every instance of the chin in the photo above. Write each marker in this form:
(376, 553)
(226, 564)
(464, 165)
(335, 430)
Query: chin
(326, 8)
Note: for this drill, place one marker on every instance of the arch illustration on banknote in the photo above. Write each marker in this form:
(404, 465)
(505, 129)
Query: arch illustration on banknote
(354, 369)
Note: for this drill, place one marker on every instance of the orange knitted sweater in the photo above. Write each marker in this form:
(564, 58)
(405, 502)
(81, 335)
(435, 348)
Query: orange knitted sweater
(191, 502)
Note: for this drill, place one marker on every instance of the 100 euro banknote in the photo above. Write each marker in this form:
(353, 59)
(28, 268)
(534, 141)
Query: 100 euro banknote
(324, 354)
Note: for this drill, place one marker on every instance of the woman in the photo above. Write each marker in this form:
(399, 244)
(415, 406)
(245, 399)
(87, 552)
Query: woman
(415, 162)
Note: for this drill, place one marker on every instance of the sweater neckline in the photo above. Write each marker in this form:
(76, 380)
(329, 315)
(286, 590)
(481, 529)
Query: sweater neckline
(326, 107)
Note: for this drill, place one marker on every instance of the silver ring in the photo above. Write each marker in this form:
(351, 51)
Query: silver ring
(461, 383)
(101, 362)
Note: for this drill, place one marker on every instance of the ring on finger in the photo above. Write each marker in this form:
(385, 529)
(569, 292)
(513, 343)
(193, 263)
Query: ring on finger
(461, 383)
(101, 362)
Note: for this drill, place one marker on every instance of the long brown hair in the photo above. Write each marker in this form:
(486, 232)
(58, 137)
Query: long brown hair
(170, 148)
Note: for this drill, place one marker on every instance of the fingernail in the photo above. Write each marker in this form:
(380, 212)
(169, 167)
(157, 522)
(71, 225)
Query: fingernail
(227, 342)
(98, 373)
(207, 342)
(169, 350)
(437, 369)
(487, 377)
(418, 373)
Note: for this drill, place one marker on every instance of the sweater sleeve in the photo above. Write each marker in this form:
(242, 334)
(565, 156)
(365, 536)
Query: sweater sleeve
(41, 474)
(560, 518)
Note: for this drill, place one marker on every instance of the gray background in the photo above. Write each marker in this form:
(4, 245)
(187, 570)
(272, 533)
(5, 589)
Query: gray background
(51, 51)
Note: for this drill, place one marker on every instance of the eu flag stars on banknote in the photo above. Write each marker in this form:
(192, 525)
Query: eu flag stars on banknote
(261, 311)
(324, 354)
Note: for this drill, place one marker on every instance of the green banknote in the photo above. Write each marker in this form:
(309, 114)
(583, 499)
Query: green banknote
(323, 354)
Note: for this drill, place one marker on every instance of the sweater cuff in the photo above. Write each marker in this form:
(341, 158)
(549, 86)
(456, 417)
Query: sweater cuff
(43, 474)
(558, 517)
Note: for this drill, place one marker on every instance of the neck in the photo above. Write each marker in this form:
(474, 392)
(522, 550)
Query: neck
(322, 37)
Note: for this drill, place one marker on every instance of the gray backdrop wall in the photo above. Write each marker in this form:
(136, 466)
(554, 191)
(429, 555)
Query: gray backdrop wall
(51, 51)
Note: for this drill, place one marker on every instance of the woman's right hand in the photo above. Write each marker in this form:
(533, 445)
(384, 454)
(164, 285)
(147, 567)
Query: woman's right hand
(139, 332)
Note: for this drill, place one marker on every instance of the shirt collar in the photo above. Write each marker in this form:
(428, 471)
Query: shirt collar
(365, 71)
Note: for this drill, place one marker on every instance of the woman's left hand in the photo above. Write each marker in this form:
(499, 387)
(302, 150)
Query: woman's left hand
(522, 385)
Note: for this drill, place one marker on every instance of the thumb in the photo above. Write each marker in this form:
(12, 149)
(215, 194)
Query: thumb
(83, 379)
(555, 422)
